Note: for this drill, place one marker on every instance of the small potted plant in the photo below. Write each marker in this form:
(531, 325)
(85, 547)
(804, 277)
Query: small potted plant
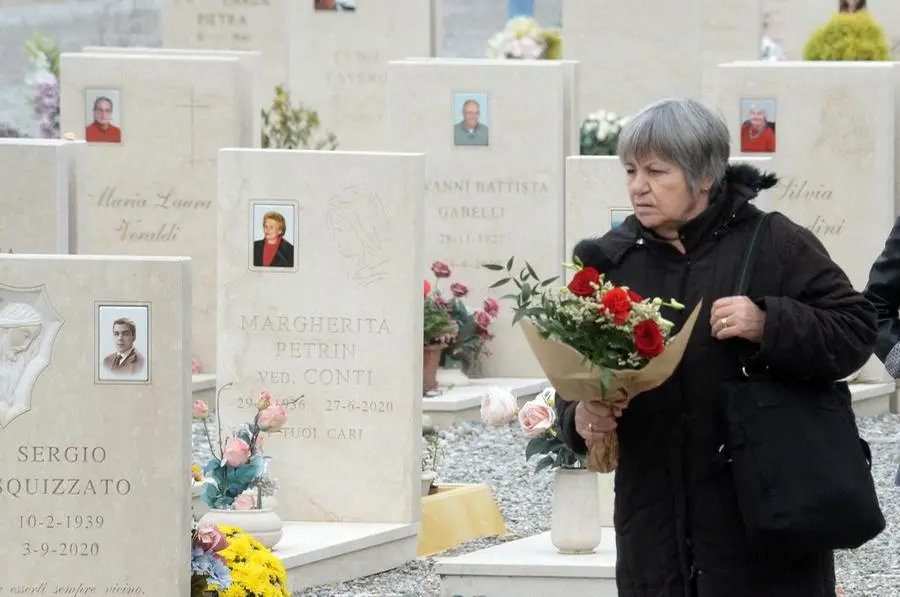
(430, 460)
(235, 477)
(523, 38)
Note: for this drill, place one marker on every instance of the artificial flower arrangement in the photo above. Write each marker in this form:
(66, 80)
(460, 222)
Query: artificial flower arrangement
(240, 465)
(208, 565)
(460, 329)
(539, 423)
(600, 133)
(523, 38)
(255, 570)
(44, 55)
(596, 341)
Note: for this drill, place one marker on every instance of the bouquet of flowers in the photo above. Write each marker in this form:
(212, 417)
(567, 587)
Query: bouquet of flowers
(240, 465)
(600, 133)
(462, 330)
(44, 55)
(524, 39)
(596, 341)
(539, 423)
(208, 566)
(255, 570)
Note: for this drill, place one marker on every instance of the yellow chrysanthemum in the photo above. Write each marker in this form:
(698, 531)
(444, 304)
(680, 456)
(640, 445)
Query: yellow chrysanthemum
(254, 569)
(196, 473)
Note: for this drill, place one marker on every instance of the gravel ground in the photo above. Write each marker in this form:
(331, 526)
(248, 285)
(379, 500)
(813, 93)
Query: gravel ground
(473, 453)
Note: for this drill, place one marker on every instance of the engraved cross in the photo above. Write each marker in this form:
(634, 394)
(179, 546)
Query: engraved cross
(192, 106)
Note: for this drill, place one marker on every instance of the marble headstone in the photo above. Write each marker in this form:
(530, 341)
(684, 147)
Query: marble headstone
(251, 89)
(495, 190)
(92, 445)
(343, 75)
(41, 180)
(256, 25)
(154, 192)
(634, 53)
(334, 314)
(831, 130)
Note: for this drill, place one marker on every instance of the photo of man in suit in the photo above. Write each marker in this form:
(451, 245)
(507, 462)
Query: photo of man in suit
(273, 250)
(472, 130)
(126, 362)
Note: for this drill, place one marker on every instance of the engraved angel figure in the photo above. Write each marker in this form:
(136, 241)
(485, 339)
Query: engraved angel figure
(20, 327)
(360, 228)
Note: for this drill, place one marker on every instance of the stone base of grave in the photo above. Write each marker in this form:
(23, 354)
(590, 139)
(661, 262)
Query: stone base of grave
(204, 388)
(318, 553)
(873, 399)
(530, 567)
(457, 514)
(463, 403)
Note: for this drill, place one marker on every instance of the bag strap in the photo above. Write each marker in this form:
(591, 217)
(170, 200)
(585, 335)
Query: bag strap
(743, 282)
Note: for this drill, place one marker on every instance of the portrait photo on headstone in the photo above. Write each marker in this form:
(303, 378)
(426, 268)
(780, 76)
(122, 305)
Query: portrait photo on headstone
(617, 216)
(758, 125)
(336, 5)
(471, 120)
(103, 116)
(123, 343)
(273, 236)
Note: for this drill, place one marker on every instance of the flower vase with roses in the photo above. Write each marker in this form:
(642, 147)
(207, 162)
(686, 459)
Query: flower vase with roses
(467, 330)
(596, 341)
(239, 465)
(208, 566)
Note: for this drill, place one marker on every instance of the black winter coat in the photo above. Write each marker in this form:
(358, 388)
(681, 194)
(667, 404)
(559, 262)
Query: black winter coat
(679, 532)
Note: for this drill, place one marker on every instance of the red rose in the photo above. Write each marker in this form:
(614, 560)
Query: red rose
(635, 297)
(617, 304)
(648, 339)
(581, 282)
(427, 288)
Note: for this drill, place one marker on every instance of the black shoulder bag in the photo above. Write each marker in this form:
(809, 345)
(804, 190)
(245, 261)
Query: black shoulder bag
(801, 471)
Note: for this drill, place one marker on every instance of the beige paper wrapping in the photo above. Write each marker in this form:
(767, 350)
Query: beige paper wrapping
(577, 380)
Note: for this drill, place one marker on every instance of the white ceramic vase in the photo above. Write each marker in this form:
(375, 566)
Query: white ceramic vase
(263, 525)
(575, 525)
(428, 478)
(452, 377)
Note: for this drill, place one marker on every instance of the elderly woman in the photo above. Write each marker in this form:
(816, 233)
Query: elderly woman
(679, 531)
(757, 133)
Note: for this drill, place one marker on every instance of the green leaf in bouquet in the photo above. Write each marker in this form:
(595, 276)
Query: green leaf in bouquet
(539, 445)
(494, 267)
(531, 270)
(524, 274)
(549, 281)
(520, 313)
(577, 261)
(509, 264)
(500, 283)
(509, 297)
(545, 462)
(526, 291)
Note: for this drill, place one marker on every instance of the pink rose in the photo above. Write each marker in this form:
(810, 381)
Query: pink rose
(440, 269)
(459, 290)
(210, 538)
(536, 417)
(237, 452)
(264, 401)
(195, 366)
(272, 419)
(482, 319)
(498, 407)
(200, 410)
(491, 307)
(245, 501)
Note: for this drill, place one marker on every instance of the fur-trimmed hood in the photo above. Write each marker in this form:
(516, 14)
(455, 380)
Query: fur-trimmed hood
(748, 176)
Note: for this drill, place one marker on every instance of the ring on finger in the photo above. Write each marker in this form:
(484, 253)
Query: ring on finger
(724, 322)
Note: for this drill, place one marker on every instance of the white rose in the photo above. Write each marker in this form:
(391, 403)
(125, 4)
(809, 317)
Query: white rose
(536, 417)
(498, 407)
(603, 131)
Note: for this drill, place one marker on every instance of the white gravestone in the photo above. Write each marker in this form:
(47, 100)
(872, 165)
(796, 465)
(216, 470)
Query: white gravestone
(251, 89)
(494, 183)
(256, 25)
(91, 443)
(634, 53)
(334, 314)
(830, 126)
(151, 172)
(343, 74)
(41, 180)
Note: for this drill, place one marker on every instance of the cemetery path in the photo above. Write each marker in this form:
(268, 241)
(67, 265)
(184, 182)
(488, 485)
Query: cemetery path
(468, 24)
(473, 453)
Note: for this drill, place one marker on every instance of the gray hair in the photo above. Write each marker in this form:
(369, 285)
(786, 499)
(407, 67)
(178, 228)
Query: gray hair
(683, 132)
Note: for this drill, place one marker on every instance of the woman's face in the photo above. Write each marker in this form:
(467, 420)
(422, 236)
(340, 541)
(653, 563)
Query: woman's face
(271, 229)
(757, 118)
(660, 195)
